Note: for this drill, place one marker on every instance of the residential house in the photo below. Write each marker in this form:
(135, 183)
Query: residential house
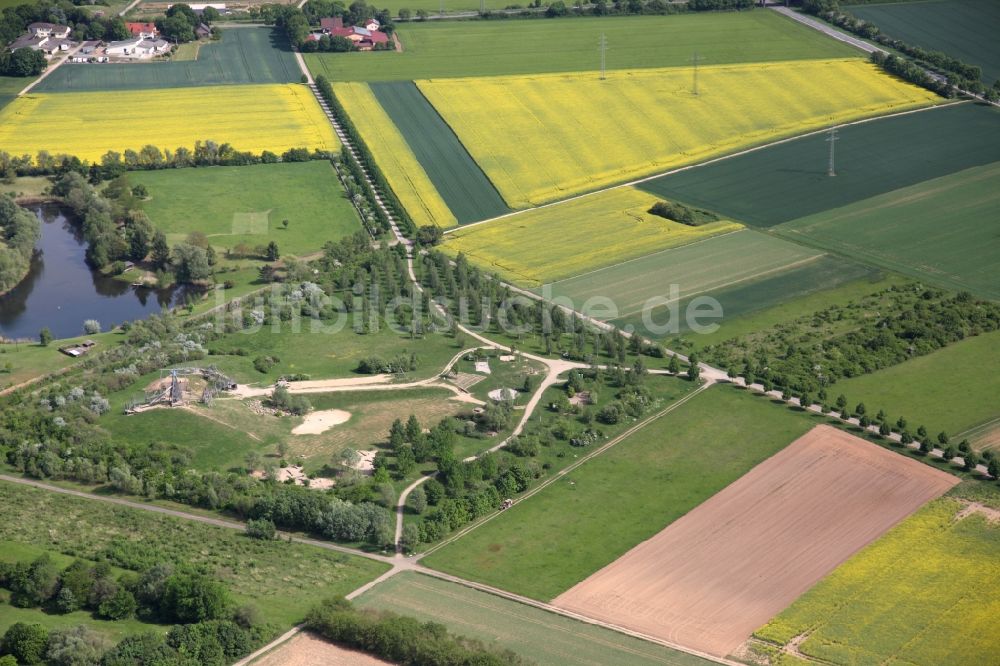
(49, 30)
(143, 30)
(364, 38)
(202, 31)
(48, 38)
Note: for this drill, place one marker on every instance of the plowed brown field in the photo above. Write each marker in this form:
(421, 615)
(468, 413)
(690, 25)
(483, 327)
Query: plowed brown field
(712, 577)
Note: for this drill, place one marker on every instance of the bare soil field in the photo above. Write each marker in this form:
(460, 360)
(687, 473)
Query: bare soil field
(713, 576)
(304, 649)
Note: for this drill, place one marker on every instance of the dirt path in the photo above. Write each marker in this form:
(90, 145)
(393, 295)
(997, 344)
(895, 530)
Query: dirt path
(53, 66)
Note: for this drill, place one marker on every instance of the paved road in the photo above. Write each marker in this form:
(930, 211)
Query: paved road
(827, 29)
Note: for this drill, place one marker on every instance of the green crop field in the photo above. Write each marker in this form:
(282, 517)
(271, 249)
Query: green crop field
(249, 204)
(964, 29)
(275, 576)
(245, 55)
(10, 86)
(916, 596)
(952, 389)
(491, 48)
(941, 230)
(787, 181)
(461, 183)
(746, 270)
(533, 633)
(815, 277)
(553, 540)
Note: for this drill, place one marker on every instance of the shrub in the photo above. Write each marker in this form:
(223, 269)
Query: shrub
(25, 642)
(261, 529)
(91, 326)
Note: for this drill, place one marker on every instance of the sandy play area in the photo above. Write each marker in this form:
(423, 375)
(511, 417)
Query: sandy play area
(315, 423)
(718, 573)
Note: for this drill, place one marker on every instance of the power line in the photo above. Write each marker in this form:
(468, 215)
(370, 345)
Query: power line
(603, 45)
(831, 139)
(696, 59)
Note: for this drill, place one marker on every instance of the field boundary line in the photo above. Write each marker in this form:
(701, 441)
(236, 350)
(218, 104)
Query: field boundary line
(571, 467)
(745, 151)
(555, 610)
(272, 646)
(748, 278)
(652, 254)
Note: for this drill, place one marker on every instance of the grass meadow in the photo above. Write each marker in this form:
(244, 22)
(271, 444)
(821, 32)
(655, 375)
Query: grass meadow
(244, 55)
(941, 230)
(543, 637)
(964, 29)
(282, 579)
(248, 204)
(400, 166)
(557, 242)
(249, 117)
(463, 186)
(789, 181)
(549, 542)
(952, 389)
(519, 132)
(916, 596)
(438, 49)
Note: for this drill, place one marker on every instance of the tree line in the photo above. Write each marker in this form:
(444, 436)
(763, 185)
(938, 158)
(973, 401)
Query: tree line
(956, 74)
(208, 627)
(19, 231)
(149, 158)
(886, 328)
(401, 639)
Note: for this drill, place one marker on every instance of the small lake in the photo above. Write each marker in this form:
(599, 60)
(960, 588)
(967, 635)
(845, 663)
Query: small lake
(61, 291)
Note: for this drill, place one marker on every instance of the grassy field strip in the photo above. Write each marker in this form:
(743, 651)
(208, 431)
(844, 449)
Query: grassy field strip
(439, 49)
(407, 178)
(903, 231)
(244, 55)
(794, 290)
(569, 468)
(914, 596)
(951, 389)
(545, 546)
(787, 180)
(533, 629)
(965, 29)
(462, 184)
(549, 244)
(694, 269)
(983, 436)
(249, 117)
(534, 152)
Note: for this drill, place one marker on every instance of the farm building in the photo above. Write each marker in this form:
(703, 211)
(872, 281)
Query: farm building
(365, 38)
(142, 30)
(53, 30)
(137, 47)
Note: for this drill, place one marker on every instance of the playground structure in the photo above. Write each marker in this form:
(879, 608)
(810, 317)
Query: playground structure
(175, 389)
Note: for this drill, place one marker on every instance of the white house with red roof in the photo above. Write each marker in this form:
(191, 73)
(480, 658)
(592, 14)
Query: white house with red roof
(142, 30)
(365, 37)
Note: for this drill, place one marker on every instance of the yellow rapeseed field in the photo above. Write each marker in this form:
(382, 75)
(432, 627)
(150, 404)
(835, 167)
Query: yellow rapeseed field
(406, 177)
(921, 595)
(570, 238)
(250, 118)
(546, 137)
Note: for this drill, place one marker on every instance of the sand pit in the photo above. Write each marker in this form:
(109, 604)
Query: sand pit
(483, 367)
(501, 394)
(718, 573)
(315, 423)
(305, 649)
